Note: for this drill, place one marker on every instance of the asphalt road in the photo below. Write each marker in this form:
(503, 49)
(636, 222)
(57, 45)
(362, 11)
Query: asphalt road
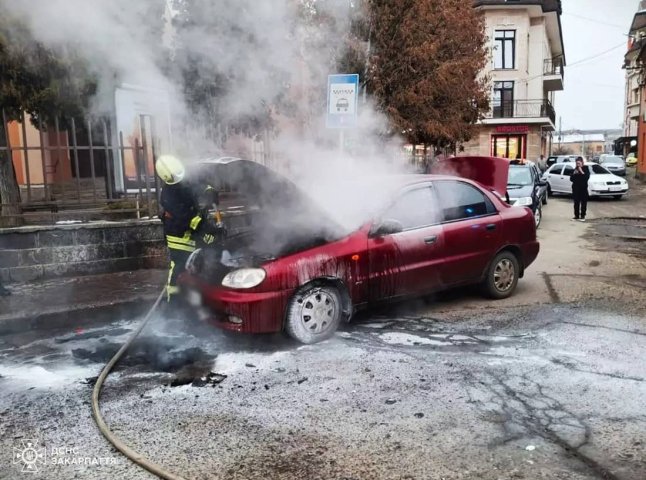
(547, 385)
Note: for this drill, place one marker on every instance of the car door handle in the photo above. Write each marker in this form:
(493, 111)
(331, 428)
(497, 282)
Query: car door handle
(491, 226)
(430, 240)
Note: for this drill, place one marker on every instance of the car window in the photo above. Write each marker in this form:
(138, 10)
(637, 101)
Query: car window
(459, 200)
(414, 209)
(557, 170)
(598, 170)
(568, 170)
(520, 176)
(613, 159)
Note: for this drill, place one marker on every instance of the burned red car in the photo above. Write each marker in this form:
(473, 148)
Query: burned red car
(286, 265)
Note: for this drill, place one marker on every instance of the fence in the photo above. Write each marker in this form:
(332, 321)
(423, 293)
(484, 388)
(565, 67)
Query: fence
(71, 169)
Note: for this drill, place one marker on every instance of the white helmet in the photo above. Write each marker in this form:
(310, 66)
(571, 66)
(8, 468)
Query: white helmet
(170, 169)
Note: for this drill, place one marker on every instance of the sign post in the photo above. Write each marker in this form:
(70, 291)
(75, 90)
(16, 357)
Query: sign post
(342, 102)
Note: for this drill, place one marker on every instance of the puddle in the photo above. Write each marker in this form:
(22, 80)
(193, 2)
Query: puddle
(396, 338)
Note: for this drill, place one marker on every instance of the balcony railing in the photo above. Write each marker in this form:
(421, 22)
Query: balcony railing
(524, 109)
(554, 66)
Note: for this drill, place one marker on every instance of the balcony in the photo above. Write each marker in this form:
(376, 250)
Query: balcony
(538, 110)
(553, 73)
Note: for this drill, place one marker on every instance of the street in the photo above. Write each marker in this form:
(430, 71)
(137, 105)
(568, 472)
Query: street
(549, 383)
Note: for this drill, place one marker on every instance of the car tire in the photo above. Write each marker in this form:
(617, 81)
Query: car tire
(314, 313)
(538, 215)
(618, 197)
(502, 276)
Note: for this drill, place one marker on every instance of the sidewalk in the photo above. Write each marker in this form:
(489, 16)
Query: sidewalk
(87, 299)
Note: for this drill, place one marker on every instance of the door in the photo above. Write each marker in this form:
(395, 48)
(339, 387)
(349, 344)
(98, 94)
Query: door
(472, 231)
(407, 262)
(553, 175)
(563, 180)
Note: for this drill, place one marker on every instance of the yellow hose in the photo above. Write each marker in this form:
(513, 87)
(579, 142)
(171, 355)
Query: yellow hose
(98, 418)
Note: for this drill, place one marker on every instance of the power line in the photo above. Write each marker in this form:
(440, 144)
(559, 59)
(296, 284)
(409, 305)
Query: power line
(584, 60)
(597, 55)
(600, 22)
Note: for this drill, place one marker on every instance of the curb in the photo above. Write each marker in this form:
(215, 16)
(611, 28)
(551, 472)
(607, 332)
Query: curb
(82, 315)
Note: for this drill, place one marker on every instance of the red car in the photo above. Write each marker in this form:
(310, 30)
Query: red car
(286, 265)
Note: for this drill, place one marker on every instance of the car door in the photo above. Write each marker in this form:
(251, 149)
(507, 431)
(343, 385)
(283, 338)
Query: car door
(407, 262)
(565, 185)
(472, 231)
(552, 176)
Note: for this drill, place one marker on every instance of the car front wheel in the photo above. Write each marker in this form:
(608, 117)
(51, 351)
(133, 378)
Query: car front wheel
(538, 215)
(314, 314)
(502, 276)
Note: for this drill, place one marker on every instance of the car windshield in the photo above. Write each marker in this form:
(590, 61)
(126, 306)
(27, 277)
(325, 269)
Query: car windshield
(598, 170)
(614, 160)
(519, 176)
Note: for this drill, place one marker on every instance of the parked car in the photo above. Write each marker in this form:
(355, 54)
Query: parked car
(296, 269)
(631, 160)
(561, 159)
(526, 188)
(614, 163)
(602, 183)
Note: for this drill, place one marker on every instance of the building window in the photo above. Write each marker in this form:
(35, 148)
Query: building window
(636, 95)
(509, 146)
(503, 99)
(504, 52)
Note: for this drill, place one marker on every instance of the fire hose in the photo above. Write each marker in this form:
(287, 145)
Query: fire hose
(98, 418)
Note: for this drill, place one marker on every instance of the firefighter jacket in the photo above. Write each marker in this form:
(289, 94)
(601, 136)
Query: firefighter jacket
(181, 211)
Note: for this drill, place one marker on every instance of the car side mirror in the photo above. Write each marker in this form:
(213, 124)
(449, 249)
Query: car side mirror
(386, 227)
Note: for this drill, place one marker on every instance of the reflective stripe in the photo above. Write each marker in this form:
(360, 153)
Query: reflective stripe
(180, 246)
(185, 240)
(170, 289)
(195, 222)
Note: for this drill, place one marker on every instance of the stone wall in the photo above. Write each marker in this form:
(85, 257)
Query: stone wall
(35, 253)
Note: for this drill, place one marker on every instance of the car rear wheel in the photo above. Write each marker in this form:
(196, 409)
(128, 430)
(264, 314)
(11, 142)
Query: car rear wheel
(502, 276)
(314, 314)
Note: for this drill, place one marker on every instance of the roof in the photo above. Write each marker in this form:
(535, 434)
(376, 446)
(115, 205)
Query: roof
(546, 5)
(639, 21)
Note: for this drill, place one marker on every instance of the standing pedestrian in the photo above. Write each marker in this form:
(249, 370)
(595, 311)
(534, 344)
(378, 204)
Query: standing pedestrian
(579, 179)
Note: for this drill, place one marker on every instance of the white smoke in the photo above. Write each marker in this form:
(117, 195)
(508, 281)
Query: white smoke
(269, 52)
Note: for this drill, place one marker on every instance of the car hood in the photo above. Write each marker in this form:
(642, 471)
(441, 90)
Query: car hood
(282, 217)
(519, 192)
(491, 172)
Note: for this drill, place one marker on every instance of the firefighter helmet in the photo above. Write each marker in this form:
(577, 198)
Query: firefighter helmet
(170, 169)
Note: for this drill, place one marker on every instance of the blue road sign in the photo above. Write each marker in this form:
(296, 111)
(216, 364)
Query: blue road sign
(342, 100)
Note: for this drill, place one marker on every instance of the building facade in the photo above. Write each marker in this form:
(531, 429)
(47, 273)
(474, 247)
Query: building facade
(635, 64)
(526, 69)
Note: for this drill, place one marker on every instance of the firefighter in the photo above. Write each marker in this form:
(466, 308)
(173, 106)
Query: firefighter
(186, 224)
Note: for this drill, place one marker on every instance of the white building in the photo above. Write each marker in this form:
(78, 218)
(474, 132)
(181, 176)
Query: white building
(526, 68)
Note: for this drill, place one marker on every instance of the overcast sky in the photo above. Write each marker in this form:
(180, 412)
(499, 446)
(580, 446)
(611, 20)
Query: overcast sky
(594, 90)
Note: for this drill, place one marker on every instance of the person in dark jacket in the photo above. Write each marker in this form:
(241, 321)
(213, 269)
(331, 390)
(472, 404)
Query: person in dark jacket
(186, 225)
(579, 179)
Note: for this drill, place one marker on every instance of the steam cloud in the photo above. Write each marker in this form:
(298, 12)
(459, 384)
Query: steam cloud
(271, 51)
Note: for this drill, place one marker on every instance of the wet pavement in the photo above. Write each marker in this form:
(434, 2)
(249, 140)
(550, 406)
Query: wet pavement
(552, 391)
(548, 384)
